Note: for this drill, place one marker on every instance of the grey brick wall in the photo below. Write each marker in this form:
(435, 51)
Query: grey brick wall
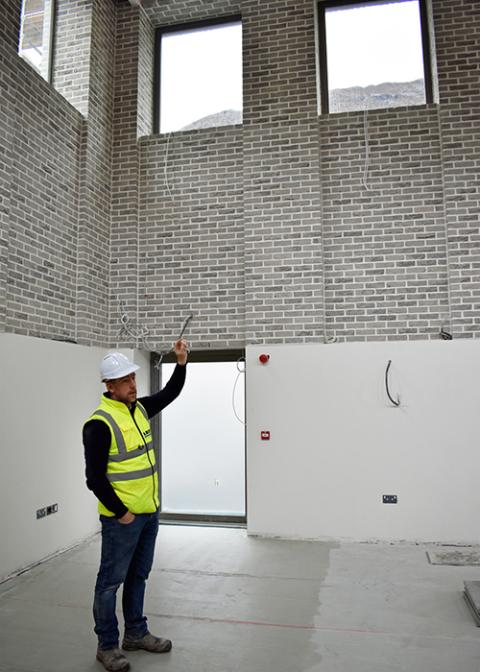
(457, 27)
(73, 39)
(409, 280)
(95, 183)
(10, 23)
(279, 61)
(283, 255)
(42, 217)
(266, 232)
(55, 172)
(168, 12)
(7, 47)
(388, 270)
(383, 225)
(191, 254)
(124, 212)
(209, 194)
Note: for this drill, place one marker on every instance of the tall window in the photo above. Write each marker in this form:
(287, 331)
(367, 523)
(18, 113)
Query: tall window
(198, 76)
(36, 31)
(373, 54)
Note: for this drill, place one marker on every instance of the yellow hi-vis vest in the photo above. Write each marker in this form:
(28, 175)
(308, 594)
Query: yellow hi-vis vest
(131, 465)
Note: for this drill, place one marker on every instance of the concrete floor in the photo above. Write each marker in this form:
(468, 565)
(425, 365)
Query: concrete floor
(237, 604)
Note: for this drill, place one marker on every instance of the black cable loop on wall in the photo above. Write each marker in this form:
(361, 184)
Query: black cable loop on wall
(397, 402)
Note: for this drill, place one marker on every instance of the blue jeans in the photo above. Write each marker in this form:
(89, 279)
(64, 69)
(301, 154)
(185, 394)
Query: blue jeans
(127, 557)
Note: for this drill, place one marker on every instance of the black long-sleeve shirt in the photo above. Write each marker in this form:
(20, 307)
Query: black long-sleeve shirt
(97, 439)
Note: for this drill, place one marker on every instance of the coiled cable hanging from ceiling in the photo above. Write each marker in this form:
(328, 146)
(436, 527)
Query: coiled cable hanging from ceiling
(130, 328)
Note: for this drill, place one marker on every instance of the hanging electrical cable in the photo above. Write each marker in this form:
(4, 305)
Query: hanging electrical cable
(240, 371)
(397, 402)
(163, 353)
(367, 151)
(165, 167)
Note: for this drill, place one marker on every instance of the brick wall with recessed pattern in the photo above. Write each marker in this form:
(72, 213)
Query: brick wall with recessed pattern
(291, 227)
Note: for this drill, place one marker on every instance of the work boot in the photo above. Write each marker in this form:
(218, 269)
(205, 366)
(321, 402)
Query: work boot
(148, 642)
(113, 660)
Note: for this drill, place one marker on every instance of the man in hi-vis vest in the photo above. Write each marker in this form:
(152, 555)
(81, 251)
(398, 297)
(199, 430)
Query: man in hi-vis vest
(121, 471)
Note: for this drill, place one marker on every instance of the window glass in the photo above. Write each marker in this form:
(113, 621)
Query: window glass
(374, 55)
(35, 34)
(201, 77)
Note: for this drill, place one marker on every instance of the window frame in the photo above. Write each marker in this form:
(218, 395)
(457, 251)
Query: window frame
(176, 28)
(50, 42)
(323, 5)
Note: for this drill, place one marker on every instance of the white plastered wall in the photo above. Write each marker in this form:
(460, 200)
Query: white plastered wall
(337, 444)
(48, 390)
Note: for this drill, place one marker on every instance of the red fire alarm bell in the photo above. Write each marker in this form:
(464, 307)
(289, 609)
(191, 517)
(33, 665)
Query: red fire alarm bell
(265, 436)
(263, 359)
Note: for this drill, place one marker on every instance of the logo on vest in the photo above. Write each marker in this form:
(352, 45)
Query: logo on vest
(147, 432)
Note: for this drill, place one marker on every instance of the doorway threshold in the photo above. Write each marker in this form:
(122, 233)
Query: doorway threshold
(202, 521)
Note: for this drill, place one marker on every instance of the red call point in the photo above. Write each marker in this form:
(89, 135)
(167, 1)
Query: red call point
(263, 359)
(265, 436)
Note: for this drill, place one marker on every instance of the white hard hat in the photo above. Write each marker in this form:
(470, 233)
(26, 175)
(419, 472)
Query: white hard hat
(115, 365)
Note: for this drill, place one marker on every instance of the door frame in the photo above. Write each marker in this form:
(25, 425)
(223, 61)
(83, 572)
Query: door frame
(206, 356)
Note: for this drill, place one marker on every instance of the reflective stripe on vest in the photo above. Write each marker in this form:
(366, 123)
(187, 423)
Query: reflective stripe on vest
(123, 454)
(144, 412)
(122, 448)
(129, 455)
(130, 475)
